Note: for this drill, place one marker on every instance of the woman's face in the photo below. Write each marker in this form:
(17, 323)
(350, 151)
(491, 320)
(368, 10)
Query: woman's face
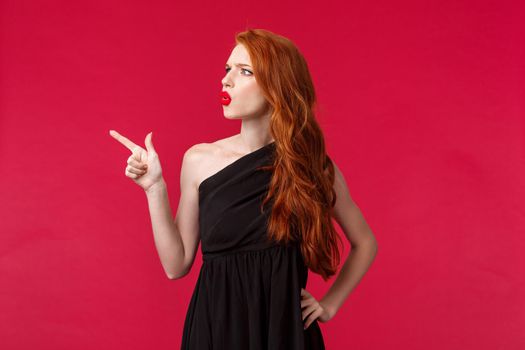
(247, 100)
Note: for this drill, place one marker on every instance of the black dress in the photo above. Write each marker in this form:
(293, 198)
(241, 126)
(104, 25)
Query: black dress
(248, 292)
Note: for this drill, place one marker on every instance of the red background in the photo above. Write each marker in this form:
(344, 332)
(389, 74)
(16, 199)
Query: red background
(422, 105)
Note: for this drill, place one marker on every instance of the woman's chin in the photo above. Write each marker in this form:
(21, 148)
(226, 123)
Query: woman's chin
(230, 116)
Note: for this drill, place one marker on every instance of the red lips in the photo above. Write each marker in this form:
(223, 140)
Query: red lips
(225, 98)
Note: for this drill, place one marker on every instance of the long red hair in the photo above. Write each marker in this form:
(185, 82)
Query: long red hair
(301, 188)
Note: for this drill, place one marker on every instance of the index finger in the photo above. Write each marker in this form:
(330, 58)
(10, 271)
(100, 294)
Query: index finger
(123, 140)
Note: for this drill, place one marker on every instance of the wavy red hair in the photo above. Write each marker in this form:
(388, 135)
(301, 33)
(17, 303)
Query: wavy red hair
(301, 189)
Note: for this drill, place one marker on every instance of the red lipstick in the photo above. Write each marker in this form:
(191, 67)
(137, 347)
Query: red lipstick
(225, 98)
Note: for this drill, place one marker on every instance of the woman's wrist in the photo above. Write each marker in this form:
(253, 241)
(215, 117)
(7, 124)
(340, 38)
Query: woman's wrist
(328, 307)
(157, 186)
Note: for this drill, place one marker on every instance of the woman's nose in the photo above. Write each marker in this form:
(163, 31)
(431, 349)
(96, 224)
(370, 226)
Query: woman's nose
(226, 80)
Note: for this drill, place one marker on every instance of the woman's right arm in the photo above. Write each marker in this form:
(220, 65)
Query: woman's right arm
(176, 240)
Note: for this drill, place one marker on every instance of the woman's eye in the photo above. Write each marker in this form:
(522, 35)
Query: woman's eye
(227, 69)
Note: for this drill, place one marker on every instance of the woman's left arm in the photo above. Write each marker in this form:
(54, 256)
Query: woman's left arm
(364, 246)
(363, 252)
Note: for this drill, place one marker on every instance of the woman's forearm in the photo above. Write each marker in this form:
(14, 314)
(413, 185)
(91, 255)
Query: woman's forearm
(355, 266)
(167, 239)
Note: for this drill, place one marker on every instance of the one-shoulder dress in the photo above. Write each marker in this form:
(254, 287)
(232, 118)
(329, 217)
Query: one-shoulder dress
(248, 292)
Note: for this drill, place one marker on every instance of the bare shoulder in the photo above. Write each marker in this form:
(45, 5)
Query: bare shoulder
(199, 152)
(340, 185)
(210, 148)
(196, 153)
(337, 172)
(200, 160)
(348, 214)
(192, 163)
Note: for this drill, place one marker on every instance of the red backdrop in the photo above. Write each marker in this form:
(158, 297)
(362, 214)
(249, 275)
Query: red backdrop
(422, 105)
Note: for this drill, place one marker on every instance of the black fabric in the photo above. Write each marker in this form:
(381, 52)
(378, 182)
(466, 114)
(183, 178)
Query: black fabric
(248, 292)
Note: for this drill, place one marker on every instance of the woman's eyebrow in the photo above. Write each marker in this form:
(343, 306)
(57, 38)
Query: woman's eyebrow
(240, 65)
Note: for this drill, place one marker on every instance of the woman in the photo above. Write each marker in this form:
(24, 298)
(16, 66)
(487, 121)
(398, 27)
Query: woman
(261, 202)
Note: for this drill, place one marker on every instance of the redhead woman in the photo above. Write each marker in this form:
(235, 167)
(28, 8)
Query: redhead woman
(261, 205)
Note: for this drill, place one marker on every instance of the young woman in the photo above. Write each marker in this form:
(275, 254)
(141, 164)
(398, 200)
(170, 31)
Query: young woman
(261, 203)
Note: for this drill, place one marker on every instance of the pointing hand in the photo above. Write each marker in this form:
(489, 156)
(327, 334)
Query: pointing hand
(143, 165)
